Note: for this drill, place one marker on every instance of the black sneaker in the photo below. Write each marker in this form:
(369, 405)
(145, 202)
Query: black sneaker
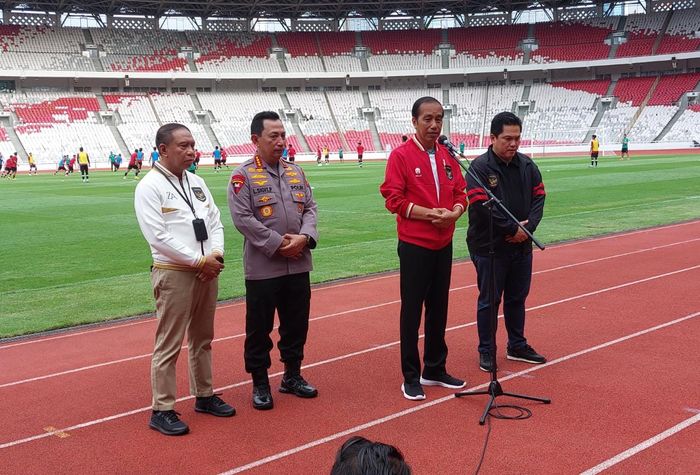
(214, 405)
(167, 422)
(526, 354)
(444, 380)
(412, 391)
(486, 363)
(262, 397)
(298, 386)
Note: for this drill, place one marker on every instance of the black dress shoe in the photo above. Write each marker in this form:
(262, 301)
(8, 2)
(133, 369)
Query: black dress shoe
(262, 398)
(214, 405)
(298, 386)
(167, 422)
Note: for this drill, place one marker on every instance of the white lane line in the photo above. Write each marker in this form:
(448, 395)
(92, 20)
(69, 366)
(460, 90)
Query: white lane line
(390, 417)
(334, 286)
(650, 442)
(346, 356)
(371, 307)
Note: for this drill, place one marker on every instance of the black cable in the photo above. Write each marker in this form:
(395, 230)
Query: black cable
(521, 413)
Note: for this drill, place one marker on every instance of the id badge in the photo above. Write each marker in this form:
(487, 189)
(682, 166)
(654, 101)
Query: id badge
(200, 229)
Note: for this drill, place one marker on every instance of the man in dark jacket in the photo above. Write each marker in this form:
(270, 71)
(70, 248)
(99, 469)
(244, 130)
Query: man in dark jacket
(516, 181)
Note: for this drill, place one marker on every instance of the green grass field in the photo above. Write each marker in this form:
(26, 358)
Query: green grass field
(72, 253)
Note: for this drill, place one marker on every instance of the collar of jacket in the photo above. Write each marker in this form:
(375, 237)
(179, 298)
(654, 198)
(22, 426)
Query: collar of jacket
(420, 147)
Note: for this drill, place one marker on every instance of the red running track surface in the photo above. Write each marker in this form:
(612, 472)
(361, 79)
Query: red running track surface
(616, 316)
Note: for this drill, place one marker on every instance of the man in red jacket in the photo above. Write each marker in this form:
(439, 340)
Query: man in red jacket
(425, 189)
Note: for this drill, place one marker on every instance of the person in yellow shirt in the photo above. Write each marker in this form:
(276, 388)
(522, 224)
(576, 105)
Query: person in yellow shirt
(83, 161)
(595, 146)
(32, 163)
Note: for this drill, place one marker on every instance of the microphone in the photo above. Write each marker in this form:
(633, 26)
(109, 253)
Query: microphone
(445, 142)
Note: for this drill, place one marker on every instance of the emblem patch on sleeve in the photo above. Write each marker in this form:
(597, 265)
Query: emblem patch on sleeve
(237, 182)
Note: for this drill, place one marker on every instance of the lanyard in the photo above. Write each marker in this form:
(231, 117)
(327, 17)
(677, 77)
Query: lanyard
(181, 193)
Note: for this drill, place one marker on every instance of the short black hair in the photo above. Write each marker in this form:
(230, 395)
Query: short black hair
(359, 456)
(594, 136)
(415, 110)
(404, 138)
(257, 125)
(504, 118)
(165, 133)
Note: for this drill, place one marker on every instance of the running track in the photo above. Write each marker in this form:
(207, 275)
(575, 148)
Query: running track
(618, 317)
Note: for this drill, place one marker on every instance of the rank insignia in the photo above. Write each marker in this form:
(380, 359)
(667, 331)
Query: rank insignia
(294, 181)
(199, 194)
(260, 182)
(448, 170)
(292, 173)
(264, 199)
(237, 182)
(258, 176)
(493, 181)
(266, 211)
(300, 196)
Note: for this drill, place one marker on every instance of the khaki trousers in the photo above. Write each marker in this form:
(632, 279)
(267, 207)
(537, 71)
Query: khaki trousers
(183, 304)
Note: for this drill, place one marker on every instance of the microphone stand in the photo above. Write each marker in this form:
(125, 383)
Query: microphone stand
(494, 390)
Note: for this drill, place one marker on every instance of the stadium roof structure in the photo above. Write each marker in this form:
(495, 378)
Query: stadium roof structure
(248, 9)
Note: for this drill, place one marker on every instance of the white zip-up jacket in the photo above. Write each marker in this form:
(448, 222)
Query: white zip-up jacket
(166, 219)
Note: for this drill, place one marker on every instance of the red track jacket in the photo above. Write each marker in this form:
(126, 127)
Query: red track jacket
(409, 181)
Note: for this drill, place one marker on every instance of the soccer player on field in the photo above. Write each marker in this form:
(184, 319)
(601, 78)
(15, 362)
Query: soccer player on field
(217, 159)
(154, 157)
(32, 163)
(84, 162)
(595, 146)
(360, 152)
(133, 164)
(62, 165)
(625, 148)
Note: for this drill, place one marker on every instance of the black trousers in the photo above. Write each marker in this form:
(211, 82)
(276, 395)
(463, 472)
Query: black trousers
(425, 280)
(290, 295)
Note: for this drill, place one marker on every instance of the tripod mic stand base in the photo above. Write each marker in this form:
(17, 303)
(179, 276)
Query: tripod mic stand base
(494, 391)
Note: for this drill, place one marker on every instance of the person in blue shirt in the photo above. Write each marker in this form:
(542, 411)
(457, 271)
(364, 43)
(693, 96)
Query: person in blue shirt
(62, 165)
(117, 162)
(139, 158)
(111, 160)
(154, 156)
(217, 159)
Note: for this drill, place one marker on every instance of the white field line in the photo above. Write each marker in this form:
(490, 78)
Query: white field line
(323, 317)
(342, 284)
(650, 442)
(396, 415)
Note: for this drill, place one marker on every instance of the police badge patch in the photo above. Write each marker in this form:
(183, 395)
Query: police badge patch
(237, 182)
(199, 194)
(493, 181)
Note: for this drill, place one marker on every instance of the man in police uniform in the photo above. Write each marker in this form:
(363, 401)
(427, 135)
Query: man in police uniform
(272, 206)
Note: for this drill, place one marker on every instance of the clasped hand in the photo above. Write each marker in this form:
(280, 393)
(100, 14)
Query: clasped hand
(211, 268)
(292, 246)
(442, 217)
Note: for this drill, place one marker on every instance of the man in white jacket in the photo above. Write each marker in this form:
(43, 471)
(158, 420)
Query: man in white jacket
(182, 225)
